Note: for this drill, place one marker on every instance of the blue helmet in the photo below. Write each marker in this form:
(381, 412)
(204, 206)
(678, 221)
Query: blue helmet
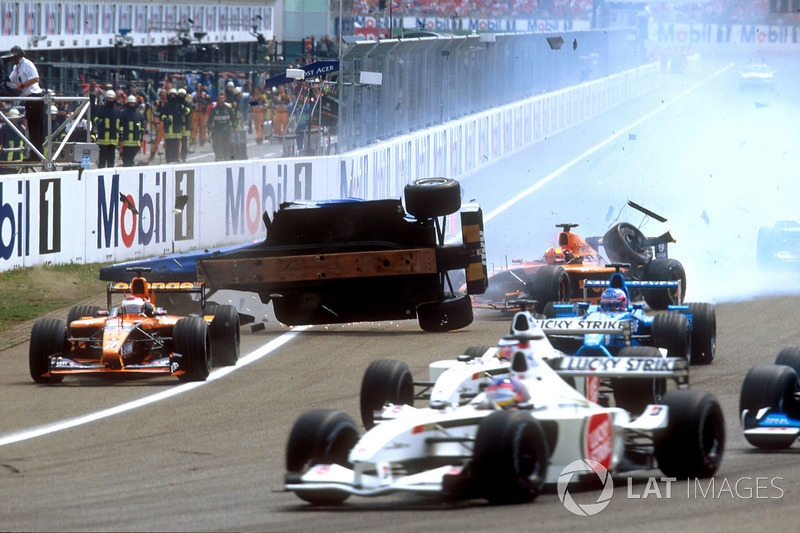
(613, 300)
(506, 392)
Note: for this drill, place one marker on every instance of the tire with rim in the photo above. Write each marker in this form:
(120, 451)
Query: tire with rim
(191, 339)
(79, 311)
(789, 356)
(510, 457)
(320, 436)
(693, 443)
(771, 386)
(550, 283)
(385, 381)
(432, 197)
(225, 336)
(661, 269)
(622, 244)
(48, 337)
(454, 312)
(704, 333)
(634, 394)
(672, 331)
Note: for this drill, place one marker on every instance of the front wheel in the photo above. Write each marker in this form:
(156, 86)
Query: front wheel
(48, 337)
(773, 387)
(672, 331)
(704, 333)
(622, 244)
(225, 336)
(511, 457)
(385, 381)
(191, 340)
(693, 443)
(321, 436)
(454, 312)
(550, 283)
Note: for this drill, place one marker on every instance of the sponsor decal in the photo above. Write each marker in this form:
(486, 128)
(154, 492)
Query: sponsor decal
(599, 439)
(616, 364)
(580, 324)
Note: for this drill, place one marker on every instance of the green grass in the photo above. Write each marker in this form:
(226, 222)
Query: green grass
(26, 293)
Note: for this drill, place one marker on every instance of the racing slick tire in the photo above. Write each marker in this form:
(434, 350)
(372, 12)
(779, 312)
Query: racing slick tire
(634, 394)
(789, 356)
(191, 339)
(693, 443)
(79, 311)
(476, 352)
(704, 333)
(385, 381)
(225, 339)
(454, 312)
(672, 331)
(432, 197)
(770, 386)
(622, 244)
(550, 283)
(48, 337)
(661, 269)
(320, 436)
(510, 459)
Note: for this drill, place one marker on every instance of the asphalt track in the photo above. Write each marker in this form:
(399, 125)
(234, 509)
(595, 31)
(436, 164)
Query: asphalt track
(93, 455)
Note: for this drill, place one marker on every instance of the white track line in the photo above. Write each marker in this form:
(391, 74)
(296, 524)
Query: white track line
(153, 398)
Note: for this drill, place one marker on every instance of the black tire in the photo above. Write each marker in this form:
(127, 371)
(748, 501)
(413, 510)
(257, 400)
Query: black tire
(693, 443)
(789, 356)
(770, 386)
(622, 244)
(548, 311)
(510, 457)
(321, 436)
(79, 311)
(191, 339)
(672, 331)
(704, 333)
(432, 197)
(48, 337)
(225, 335)
(661, 269)
(385, 381)
(550, 283)
(454, 312)
(634, 394)
(476, 352)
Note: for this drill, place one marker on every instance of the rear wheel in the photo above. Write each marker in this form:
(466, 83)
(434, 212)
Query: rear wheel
(789, 356)
(661, 269)
(634, 394)
(693, 443)
(476, 352)
(432, 197)
(454, 312)
(385, 381)
(510, 460)
(225, 339)
(550, 283)
(48, 337)
(321, 436)
(79, 311)
(672, 331)
(622, 244)
(704, 333)
(770, 386)
(191, 340)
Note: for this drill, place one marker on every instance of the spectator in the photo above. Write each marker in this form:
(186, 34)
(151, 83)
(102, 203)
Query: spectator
(107, 129)
(13, 150)
(25, 77)
(131, 137)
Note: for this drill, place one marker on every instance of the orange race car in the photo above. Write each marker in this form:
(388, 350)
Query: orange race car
(559, 275)
(136, 339)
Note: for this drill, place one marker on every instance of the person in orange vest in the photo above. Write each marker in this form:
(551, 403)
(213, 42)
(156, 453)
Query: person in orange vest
(200, 102)
(13, 150)
(280, 106)
(260, 106)
(158, 124)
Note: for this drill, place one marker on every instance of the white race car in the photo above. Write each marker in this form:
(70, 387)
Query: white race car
(504, 454)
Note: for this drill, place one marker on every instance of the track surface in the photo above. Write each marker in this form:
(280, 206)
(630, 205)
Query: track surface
(210, 457)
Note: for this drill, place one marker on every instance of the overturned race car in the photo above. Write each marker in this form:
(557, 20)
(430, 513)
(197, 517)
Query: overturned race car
(505, 443)
(135, 339)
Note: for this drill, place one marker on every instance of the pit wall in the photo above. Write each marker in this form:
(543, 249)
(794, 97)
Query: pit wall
(112, 215)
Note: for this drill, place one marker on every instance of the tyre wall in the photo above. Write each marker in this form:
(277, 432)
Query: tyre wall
(111, 215)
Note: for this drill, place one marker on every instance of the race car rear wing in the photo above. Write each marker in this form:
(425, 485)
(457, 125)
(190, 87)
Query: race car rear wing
(676, 368)
(582, 326)
(183, 287)
(630, 284)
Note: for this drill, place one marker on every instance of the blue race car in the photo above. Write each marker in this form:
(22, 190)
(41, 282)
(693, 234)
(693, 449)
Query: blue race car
(769, 402)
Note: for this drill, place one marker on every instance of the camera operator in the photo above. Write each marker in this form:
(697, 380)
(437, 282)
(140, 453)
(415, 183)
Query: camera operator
(25, 78)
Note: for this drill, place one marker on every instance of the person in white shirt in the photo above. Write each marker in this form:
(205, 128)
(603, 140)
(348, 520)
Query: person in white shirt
(25, 77)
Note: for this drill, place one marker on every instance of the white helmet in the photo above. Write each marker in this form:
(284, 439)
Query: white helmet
(132, 305)
(110, 95)
(53, 110)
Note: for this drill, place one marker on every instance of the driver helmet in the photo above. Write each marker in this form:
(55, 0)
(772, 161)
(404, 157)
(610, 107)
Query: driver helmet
(613, 300)
(132, 305)
(506, 392)
(554, 255)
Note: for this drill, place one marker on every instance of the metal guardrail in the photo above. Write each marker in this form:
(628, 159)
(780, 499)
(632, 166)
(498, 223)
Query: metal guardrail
(49, 160)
